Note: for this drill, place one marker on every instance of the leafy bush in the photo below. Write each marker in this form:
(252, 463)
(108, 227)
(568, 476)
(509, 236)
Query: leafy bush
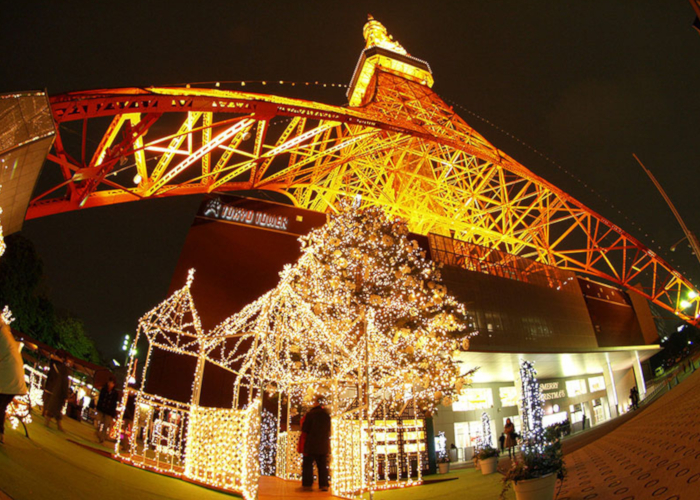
(557, 431)
(487, 452)
(532, 464)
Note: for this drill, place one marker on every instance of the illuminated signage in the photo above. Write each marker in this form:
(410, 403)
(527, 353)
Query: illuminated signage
(549, 386)
(217, 210)
(547, 396)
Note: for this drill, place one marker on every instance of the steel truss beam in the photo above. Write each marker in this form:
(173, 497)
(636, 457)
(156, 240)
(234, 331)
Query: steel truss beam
(406, 151)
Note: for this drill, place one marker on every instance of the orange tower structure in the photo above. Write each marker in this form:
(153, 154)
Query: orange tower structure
(396, 144)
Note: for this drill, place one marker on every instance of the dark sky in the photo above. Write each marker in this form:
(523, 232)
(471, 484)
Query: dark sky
(585, 84)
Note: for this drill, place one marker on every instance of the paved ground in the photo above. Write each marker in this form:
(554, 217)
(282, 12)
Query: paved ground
(62, 466)
(656, 454)
(653, 453)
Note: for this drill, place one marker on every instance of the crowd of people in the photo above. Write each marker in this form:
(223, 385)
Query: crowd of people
(57, 393)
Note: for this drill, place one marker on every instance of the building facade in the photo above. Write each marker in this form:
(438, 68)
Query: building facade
(588, 340)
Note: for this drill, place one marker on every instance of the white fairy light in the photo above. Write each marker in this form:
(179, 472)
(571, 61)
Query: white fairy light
(532, 409)
(362, 309)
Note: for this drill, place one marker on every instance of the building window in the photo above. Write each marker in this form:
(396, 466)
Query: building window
(576, 412)
(474, 399)
(596, 384)
(599, 410)
(554, 418)
(509, 396)
(576, 387)
(469, 434)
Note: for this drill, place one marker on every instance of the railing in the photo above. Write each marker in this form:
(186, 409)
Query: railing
(156, 437)
(487, 260)
(288, 458)
(214, 446)
(386, 455)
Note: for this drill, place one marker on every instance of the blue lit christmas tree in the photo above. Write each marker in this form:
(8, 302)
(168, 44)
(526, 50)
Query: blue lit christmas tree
(532, 412)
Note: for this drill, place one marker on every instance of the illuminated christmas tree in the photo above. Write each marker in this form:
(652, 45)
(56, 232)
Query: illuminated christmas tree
(486, 431)
(362, 302)
(384, 301)
(532, 412)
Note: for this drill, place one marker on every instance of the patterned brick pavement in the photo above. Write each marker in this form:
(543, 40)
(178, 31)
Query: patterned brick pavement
(655, 455)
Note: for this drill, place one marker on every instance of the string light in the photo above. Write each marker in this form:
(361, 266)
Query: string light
(486, 441)
(268, 443)
(532, 410)
(2, 238)
(361, 318)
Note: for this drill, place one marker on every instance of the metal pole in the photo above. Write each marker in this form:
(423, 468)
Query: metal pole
(692, 239)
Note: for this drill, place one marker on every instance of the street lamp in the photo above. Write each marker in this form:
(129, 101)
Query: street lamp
(130, 350)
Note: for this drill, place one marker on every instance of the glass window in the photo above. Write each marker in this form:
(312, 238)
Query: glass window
(509, 396)
(576, 412)
(596, 383)
(468, 434)
(575, 387)
(474, 399)
(554, 418)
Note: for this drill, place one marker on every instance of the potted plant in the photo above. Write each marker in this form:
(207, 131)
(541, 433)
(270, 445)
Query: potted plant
(488, 459)
(534, 474)
(444, 464)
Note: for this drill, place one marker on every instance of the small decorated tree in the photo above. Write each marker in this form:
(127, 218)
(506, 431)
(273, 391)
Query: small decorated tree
(532, 412)
(539, 458)
(486, 430)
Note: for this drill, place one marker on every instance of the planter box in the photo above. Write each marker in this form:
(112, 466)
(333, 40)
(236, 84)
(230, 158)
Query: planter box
(444, 467)
(489, 465)
(540, 488)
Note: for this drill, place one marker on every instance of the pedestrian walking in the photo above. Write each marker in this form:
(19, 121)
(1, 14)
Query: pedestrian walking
(317, 430)
(58, 390)
(106, 410)
(11, 372)
(634, 397)
(502, 441)
(509, 431)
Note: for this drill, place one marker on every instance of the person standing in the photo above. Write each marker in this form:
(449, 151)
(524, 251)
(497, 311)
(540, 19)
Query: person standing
(317, 446)
(106, 410)
(509, 431)
(57, 390)
(11, 372)
(502, 441)
(634, 397)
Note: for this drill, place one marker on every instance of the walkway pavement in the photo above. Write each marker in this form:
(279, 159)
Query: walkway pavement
(656, 454)
(64, 466)
(653, 453)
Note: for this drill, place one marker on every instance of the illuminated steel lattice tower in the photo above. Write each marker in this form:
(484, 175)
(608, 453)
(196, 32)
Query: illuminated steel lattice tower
(397, 145)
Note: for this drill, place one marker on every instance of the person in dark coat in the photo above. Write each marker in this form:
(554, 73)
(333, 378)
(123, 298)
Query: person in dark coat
(317, 446)
(57, 388)
(634, 397)
(510, 442)
(106, 410)
(502, 441)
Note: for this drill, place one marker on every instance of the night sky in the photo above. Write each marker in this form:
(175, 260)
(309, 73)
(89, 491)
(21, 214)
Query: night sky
(569, 89)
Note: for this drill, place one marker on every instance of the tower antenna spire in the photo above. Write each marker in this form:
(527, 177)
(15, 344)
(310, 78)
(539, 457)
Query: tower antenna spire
(692, 239)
